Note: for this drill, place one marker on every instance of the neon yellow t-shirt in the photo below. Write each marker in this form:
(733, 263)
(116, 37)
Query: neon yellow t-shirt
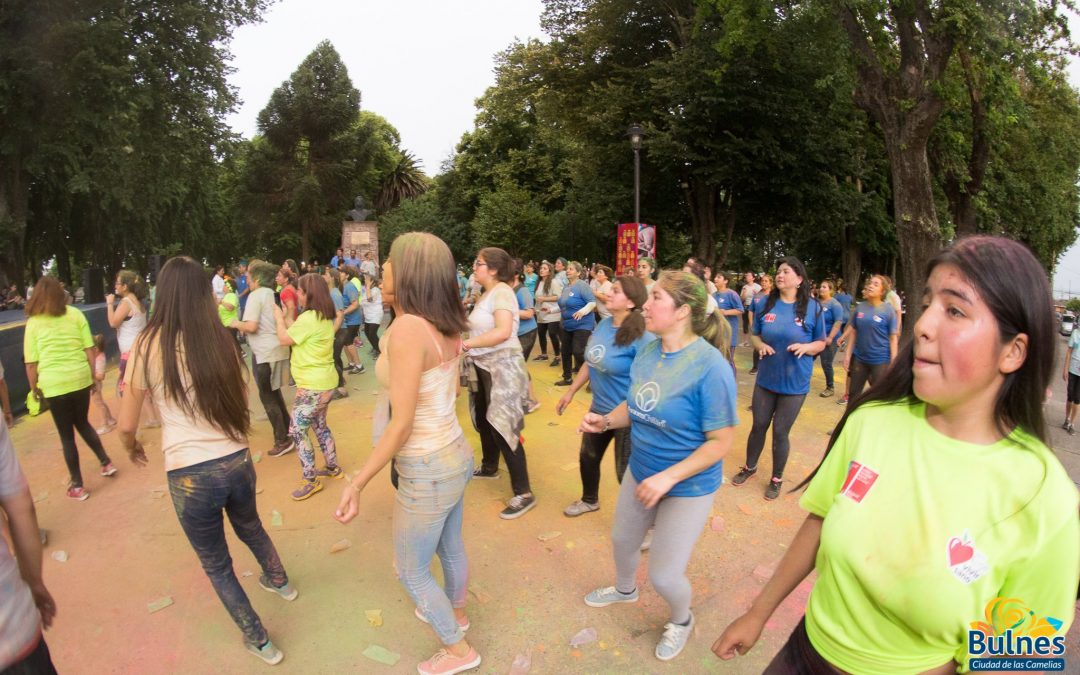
(312, 361)
(57, 345)
(921, 532)
(227, 316)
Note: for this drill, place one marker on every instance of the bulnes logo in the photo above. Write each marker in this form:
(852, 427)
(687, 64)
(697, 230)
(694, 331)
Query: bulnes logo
(647, 396)
(596, 354)
(1015, 638)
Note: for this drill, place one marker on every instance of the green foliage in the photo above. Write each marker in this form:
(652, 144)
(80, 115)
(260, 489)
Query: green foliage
(1073, 306)
(423, 214)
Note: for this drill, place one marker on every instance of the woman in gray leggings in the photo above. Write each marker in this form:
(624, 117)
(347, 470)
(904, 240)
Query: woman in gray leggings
(681, 414)
(788, 331)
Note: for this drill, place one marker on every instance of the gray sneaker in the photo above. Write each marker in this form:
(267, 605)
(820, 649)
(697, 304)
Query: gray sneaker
(286, 591)
(579, 507)
(268, 652)
(602, 597)
(674, 639)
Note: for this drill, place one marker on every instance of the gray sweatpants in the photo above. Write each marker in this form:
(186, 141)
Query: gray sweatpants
(679, 522)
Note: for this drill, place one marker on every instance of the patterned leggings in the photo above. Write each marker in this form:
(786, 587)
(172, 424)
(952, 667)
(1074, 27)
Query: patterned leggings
(309, 410)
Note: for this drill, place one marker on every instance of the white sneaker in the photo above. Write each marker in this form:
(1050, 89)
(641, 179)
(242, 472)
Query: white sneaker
(579, 507)
(674, 639)
(268, 652)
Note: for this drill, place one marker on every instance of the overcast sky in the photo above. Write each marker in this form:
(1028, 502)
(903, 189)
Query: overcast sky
(421, 64)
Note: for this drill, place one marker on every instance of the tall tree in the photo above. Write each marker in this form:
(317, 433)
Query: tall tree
(309, 125)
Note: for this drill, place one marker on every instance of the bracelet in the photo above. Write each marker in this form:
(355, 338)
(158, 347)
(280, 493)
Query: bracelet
(607, 424)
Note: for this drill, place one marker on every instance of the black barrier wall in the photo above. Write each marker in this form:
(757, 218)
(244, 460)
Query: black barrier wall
(11, 351)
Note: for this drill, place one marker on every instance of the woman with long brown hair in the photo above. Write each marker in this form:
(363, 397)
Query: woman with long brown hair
(194, 369)
(59, 354)
(609, 354)
(311, 336)
(419, 367)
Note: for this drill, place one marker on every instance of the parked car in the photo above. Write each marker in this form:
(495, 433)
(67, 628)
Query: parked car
(1068, 322)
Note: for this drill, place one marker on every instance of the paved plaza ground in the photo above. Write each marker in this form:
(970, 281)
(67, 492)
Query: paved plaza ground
(125, 552)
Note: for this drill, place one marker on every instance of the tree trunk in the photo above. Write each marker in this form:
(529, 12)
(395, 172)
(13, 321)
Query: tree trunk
(851, 261)
(305, 241)
(702, 199)
(962, 200)
(729, 230)
(14, 200)
(915, 217)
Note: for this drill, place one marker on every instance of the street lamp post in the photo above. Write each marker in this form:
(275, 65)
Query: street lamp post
(636, 133)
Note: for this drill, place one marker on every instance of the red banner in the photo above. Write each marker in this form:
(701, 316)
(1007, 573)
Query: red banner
(635, 240)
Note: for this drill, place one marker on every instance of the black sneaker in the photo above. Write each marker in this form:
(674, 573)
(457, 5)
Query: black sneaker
(542, 357)
(753, 371)
(773, 491)
(1071, 430)
(743, 476)
(565, 382)
(517, 506)
(355, 369)
(555, 362)
(479, 472)
(1065, 425)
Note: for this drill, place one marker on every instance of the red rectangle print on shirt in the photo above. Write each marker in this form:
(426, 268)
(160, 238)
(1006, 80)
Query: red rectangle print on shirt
(858, 482)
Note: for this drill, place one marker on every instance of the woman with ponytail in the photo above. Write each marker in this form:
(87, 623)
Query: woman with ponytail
(938, 503)
(680, 408)
(787, 332)
(611, 349)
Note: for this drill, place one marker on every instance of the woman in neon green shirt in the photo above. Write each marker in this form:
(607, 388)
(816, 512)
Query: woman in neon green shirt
(311, 336)
(59, 354)
(939, 517)
(227, 307)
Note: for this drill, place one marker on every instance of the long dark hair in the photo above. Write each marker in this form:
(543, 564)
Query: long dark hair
(802, 293)
(186, 320)
(1020, 303)
(633, 326)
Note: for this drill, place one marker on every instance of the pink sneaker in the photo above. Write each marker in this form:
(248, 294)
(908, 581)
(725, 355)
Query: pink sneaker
(445, 663)
(79, 494)
(108, 470)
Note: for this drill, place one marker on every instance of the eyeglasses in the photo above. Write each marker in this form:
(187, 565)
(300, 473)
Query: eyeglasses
(479, 263)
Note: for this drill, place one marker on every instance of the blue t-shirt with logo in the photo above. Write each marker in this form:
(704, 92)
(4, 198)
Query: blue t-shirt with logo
(338, 299)
(873, 326)
(525, 301)
(729, 299)
(609, 365)
(845, 301)
(779, 327)
(832, 312)
(352, 294)
(573, 298)
(674, 399)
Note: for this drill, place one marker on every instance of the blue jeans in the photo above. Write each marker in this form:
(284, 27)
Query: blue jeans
(428, 513)
(827, 355)
(200, 493)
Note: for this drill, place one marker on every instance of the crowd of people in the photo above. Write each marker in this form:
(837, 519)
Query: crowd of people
(954, 412)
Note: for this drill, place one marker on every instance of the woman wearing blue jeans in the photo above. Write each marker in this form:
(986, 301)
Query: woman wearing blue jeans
(202, 398)
(419, 367)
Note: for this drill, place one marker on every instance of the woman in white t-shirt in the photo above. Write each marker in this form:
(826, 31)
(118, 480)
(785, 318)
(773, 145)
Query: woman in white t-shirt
(203, 402)
(601, 288)
(548, 313)
(500, 391)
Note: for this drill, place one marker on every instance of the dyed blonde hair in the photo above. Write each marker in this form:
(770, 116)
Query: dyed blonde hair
(134, 283)
(425, 281)
(687, 289)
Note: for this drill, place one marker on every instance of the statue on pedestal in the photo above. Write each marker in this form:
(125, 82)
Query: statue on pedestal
(359, 212)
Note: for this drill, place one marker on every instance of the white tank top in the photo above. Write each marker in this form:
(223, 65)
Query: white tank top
(435, 423)
(131, 327)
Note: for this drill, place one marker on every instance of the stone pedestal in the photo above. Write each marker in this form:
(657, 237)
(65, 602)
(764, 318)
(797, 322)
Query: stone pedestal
(363, 236)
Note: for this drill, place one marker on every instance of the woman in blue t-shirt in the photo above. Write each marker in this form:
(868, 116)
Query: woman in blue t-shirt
(731, 306)
(874, 330)
(611, 349)
(577, 303)
(787, 332)
(681, 412)
(832, 313)
(766, 283)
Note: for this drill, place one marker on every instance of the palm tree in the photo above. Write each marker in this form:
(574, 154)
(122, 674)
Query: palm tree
(404, 181)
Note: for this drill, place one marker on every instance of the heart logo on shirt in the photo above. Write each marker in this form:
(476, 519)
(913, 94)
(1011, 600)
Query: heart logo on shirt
(959, 552)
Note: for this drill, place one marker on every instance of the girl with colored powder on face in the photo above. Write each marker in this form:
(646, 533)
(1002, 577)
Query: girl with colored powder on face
(419, 366)
(937, 494)
(787, 332)
(875, 329)
(610, 352)
(680, 408)
(194, 368)
(311, 336)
